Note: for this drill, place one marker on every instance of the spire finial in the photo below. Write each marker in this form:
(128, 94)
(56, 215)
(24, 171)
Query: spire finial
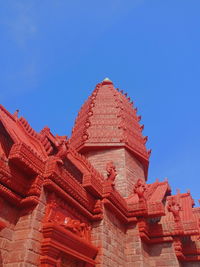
(107, 81)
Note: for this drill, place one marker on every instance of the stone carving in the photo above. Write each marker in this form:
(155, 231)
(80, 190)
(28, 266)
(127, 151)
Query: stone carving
(139, 189)
(174, 207)
(61, 145)
(98, 208)
(111, 172)
(79, 228)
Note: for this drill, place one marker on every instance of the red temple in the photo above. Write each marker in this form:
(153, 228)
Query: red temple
(85, 201)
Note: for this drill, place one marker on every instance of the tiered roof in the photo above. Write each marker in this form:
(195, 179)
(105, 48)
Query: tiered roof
(108, 118)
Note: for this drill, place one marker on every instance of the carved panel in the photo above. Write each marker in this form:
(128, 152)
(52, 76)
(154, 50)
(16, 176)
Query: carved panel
(58, 210)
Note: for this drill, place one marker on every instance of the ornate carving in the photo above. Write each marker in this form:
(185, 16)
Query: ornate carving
(62, 150)
(58, 242)
(26, 158)
(111, 172)
(178, 248)
(174, 207)
(79, 228)
(98, 208)
(140, 189)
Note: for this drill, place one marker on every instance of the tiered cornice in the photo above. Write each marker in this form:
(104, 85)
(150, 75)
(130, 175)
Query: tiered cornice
(108, 118)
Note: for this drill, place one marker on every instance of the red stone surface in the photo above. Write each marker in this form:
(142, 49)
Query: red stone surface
(84, 201)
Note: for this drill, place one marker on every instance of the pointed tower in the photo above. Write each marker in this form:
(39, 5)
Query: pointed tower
(107, 129)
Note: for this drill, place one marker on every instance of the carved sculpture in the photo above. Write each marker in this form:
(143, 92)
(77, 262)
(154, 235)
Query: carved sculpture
(139, 189)
(174, 207)
(61, 144)
(111, 172)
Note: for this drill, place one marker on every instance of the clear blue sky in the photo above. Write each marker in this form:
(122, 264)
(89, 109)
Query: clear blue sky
(53, 52)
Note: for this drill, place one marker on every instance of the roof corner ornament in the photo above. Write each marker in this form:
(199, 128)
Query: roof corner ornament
(62, 146)
(140, 188)
(174, 207)
(111, 172)
(16, 113)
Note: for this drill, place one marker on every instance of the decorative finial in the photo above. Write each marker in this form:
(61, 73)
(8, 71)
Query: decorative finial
(107, 81)
(15, 115)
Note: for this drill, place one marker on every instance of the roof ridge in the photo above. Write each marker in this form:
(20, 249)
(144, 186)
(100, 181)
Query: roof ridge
(7, 112)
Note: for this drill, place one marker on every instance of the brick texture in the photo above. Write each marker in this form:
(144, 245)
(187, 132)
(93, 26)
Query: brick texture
(124, 248)
(24, 247)
(129, 169)
(162, 255)
(9, 215)
(110, 236)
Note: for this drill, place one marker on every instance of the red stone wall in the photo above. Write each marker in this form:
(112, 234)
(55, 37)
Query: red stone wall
(135, 253)
(155, 255)
(121, 247)
(162, 255)
(128, 168)
(9, 215)
(24, 249)
(134, 171)
(110, 236)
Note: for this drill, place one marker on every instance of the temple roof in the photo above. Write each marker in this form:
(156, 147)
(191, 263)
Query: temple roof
(21, 132)
(108, 118)
(154, 192)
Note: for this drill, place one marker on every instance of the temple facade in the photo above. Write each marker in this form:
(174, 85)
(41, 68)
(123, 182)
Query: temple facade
(84, 201)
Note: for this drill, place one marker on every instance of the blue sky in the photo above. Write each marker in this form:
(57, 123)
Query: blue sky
(53, 52)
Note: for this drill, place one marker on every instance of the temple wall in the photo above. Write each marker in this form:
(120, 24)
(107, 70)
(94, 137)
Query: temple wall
(128, 168)
(163, 255)
(123, 248)
(9, 215)
(110, 236)
(136, 254)
(24, 250)
(134, 171)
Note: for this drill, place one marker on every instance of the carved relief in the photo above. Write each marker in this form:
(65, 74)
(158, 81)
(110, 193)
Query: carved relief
(79, 228)
(61, 214)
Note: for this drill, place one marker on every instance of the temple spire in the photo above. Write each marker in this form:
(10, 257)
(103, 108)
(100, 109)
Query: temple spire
(108, 128)
(109, 119)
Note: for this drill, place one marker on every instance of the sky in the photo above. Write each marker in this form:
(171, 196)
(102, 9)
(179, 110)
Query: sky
(54, 52)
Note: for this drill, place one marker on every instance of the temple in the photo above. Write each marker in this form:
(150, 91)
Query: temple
(85, 201)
